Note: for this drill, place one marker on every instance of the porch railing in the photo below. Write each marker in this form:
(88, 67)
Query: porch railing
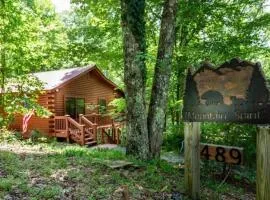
(85, 132)
(76, 131)
(90, 127)
(99, 119)
(61, 126)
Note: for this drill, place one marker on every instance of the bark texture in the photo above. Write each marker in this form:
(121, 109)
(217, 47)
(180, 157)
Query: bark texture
(2, 49)
(158, 103)
(263, 163)
(133, 26)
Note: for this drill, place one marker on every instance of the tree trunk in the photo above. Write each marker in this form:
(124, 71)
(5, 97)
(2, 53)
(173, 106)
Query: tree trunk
(133, 26)
(178, 97)
(2, 50)
(158, 103)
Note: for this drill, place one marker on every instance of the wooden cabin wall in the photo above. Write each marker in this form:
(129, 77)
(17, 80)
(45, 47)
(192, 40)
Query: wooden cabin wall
(89, 86)
(44, 125)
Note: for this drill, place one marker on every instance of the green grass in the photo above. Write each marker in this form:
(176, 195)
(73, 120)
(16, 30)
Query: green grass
(67, 170)
(63, 171)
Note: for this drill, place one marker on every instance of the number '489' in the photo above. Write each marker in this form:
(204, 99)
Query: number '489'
(221, 154)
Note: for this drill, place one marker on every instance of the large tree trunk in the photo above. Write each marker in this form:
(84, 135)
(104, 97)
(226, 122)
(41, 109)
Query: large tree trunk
(178, 96)
(158, 103)
(2, 49)
(133, 25)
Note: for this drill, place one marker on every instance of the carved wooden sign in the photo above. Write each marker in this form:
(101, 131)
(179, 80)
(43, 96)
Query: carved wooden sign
(234, 92)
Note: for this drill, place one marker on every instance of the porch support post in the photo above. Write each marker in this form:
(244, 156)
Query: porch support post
(102, 136)
(67, 128)
(80, 118)
(82, 129)
(95, 131)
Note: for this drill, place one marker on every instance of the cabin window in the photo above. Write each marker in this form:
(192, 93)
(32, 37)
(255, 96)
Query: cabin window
(102, 106)
(75, 106)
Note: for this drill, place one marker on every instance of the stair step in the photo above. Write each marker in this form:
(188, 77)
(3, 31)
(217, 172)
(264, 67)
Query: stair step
(88, 139)
(92, 143)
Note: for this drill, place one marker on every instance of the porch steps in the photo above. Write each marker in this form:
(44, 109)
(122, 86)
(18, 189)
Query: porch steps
(84, 132)
(89, 140)
(90, 144)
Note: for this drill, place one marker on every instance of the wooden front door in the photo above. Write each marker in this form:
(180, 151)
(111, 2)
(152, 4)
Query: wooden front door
(74, 107)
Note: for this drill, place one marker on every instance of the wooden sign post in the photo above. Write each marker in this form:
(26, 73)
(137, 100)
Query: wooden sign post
(263, 164)
(192, 133)
(236, 91)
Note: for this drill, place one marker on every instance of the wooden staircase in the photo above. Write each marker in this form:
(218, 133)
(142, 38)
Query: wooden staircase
(89, 140)
(90, 135)
(84, 132)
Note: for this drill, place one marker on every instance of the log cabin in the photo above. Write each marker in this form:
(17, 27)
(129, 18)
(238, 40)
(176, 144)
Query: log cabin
(78, 100)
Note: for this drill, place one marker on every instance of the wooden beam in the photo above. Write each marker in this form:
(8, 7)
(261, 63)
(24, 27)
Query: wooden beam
(263, 163)
(192, 159)
(102, 136)
(51, 126)
(67, 128)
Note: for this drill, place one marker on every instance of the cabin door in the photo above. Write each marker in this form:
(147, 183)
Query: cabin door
(75, 107)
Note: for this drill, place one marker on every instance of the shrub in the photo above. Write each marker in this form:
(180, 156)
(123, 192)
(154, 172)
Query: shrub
(232, 135)
(38, 137)
(173, 137)
(217, 133)
(9, 136)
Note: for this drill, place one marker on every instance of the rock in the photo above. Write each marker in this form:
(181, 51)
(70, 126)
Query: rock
(60, 175)
(121, 193)
(125, 173)
(116, 164)
(172, 157)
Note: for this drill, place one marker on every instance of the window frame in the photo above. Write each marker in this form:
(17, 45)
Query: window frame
(75, 98)
(105, 106)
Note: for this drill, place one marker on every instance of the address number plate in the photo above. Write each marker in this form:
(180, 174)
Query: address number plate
(220, 153)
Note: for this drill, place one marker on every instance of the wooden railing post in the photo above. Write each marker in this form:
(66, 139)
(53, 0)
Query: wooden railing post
(117, 135)
(95, 119)
(113, 132)
(82, 129)
(102, 136)
(95, 132)
(80, 118)
(67, 128)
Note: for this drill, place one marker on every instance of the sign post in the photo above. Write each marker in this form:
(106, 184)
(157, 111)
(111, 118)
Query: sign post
(263, 164)
(192, 159)
(236, 92)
